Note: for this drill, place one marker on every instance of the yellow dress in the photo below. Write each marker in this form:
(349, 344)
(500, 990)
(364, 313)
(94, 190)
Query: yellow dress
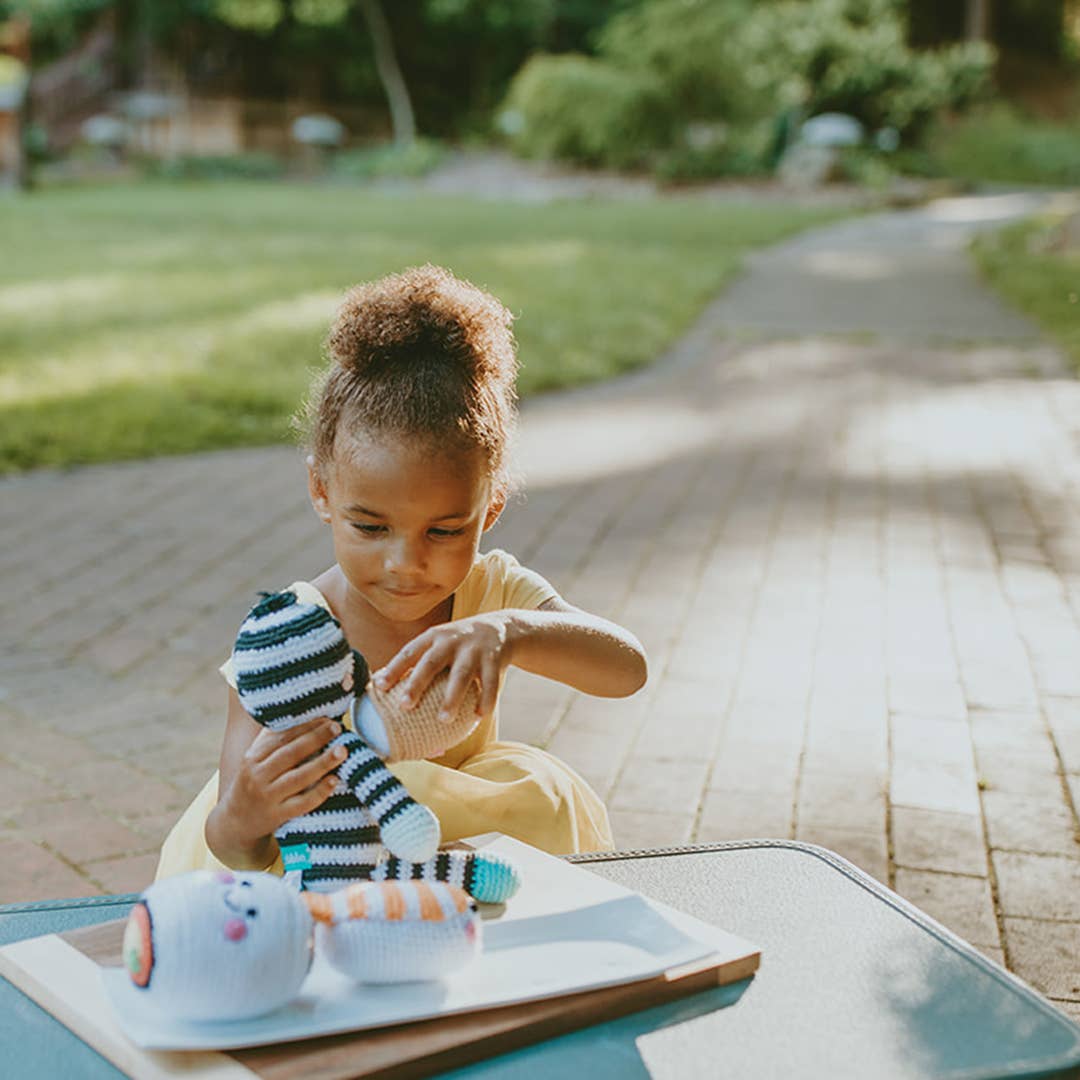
(481, 785)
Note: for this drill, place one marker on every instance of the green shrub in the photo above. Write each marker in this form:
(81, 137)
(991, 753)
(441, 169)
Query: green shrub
(865, 167)
(666, 65)
(999, 144)
(738, 151)
(739, 61)
(389, 161)
(697, 51)
(254, 165)
(585, 110)
(852, 56)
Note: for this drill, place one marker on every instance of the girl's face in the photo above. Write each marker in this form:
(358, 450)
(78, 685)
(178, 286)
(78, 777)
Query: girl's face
(406, 521)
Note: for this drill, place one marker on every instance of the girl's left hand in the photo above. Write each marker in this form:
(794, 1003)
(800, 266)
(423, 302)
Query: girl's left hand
(473, 649)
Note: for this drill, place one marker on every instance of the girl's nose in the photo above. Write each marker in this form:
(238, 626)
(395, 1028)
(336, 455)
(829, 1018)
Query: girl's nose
(406, 554)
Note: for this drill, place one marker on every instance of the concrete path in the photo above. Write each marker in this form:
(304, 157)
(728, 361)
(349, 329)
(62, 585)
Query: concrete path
(854, 559)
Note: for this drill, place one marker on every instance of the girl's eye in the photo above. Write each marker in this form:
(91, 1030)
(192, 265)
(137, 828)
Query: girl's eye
(441, 534)
(366, 529)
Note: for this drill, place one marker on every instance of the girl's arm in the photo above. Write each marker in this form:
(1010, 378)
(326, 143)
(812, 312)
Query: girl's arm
(267, 778)
(587, 652)
(558, 641)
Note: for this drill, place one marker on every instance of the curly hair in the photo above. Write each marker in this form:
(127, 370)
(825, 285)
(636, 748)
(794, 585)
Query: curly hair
(421, 354)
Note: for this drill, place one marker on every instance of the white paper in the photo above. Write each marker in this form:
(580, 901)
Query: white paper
(566, 931)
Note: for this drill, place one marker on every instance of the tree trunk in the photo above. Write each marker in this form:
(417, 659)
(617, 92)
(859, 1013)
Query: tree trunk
(977, 23)
(397, 93)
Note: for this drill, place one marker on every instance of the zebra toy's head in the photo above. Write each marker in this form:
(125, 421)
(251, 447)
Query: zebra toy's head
(292, 663)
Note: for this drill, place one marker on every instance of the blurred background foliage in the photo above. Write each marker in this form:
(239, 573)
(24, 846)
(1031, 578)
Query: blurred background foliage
(686, 89)
(181, 313)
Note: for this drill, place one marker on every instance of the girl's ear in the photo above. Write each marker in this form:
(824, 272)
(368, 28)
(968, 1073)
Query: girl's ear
(317, 490)
(495, 509)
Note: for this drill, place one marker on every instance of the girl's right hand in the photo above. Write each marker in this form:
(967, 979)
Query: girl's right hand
(279, 776)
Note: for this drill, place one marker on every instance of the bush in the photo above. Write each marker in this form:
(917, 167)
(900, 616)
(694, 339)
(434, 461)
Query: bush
(851, 56)
(666, 66)
(248, 166)
(696, 49)
(737, 151)
(865, 167)
(576, 108)
(1000, 144)
(741, 62)
(389, 161)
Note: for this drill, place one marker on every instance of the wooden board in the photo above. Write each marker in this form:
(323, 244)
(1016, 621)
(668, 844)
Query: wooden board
(60, 973)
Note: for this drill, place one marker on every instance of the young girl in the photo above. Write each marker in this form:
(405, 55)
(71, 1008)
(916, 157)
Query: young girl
(408, 434)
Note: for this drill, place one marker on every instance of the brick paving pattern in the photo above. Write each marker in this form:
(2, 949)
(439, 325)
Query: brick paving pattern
(848, 534)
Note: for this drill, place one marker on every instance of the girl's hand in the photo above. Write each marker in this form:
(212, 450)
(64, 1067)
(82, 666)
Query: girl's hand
(281, 775)
(473, 649)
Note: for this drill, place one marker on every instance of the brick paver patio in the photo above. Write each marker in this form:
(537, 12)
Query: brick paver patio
(842, 515)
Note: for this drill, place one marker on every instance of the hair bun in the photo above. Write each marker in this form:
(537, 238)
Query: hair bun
(421, 316)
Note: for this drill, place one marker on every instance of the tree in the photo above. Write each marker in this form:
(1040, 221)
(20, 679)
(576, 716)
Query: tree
(264, 15)
(978, 20)
(402, 117)
(1036, 27)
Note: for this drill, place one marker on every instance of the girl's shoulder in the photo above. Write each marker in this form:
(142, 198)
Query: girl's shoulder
(497, 581)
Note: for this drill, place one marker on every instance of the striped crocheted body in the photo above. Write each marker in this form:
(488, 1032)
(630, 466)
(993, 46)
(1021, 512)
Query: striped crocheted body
(333, 845)
(293, 664)
(369, 811)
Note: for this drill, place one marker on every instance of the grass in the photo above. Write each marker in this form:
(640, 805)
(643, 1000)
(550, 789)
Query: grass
(1041, 281)
(166, 318)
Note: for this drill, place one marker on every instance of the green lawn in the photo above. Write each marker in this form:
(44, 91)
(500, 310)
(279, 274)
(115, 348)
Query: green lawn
(156, 318)
(1041, 281)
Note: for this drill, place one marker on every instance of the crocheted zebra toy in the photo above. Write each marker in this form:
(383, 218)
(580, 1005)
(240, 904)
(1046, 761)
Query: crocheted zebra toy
(218, 945)
(292, 664)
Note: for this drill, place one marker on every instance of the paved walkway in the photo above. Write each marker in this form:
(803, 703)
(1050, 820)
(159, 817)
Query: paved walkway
(855, 562)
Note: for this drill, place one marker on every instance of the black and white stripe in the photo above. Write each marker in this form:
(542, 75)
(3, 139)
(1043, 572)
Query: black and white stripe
(291, 662)
(364, 773)
(451, 867)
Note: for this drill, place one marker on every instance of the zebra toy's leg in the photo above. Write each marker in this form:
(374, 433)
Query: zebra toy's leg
(409, 830)
(491, 879)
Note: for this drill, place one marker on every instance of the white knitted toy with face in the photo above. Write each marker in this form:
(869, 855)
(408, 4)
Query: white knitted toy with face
(229, 946)
(217, 945)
